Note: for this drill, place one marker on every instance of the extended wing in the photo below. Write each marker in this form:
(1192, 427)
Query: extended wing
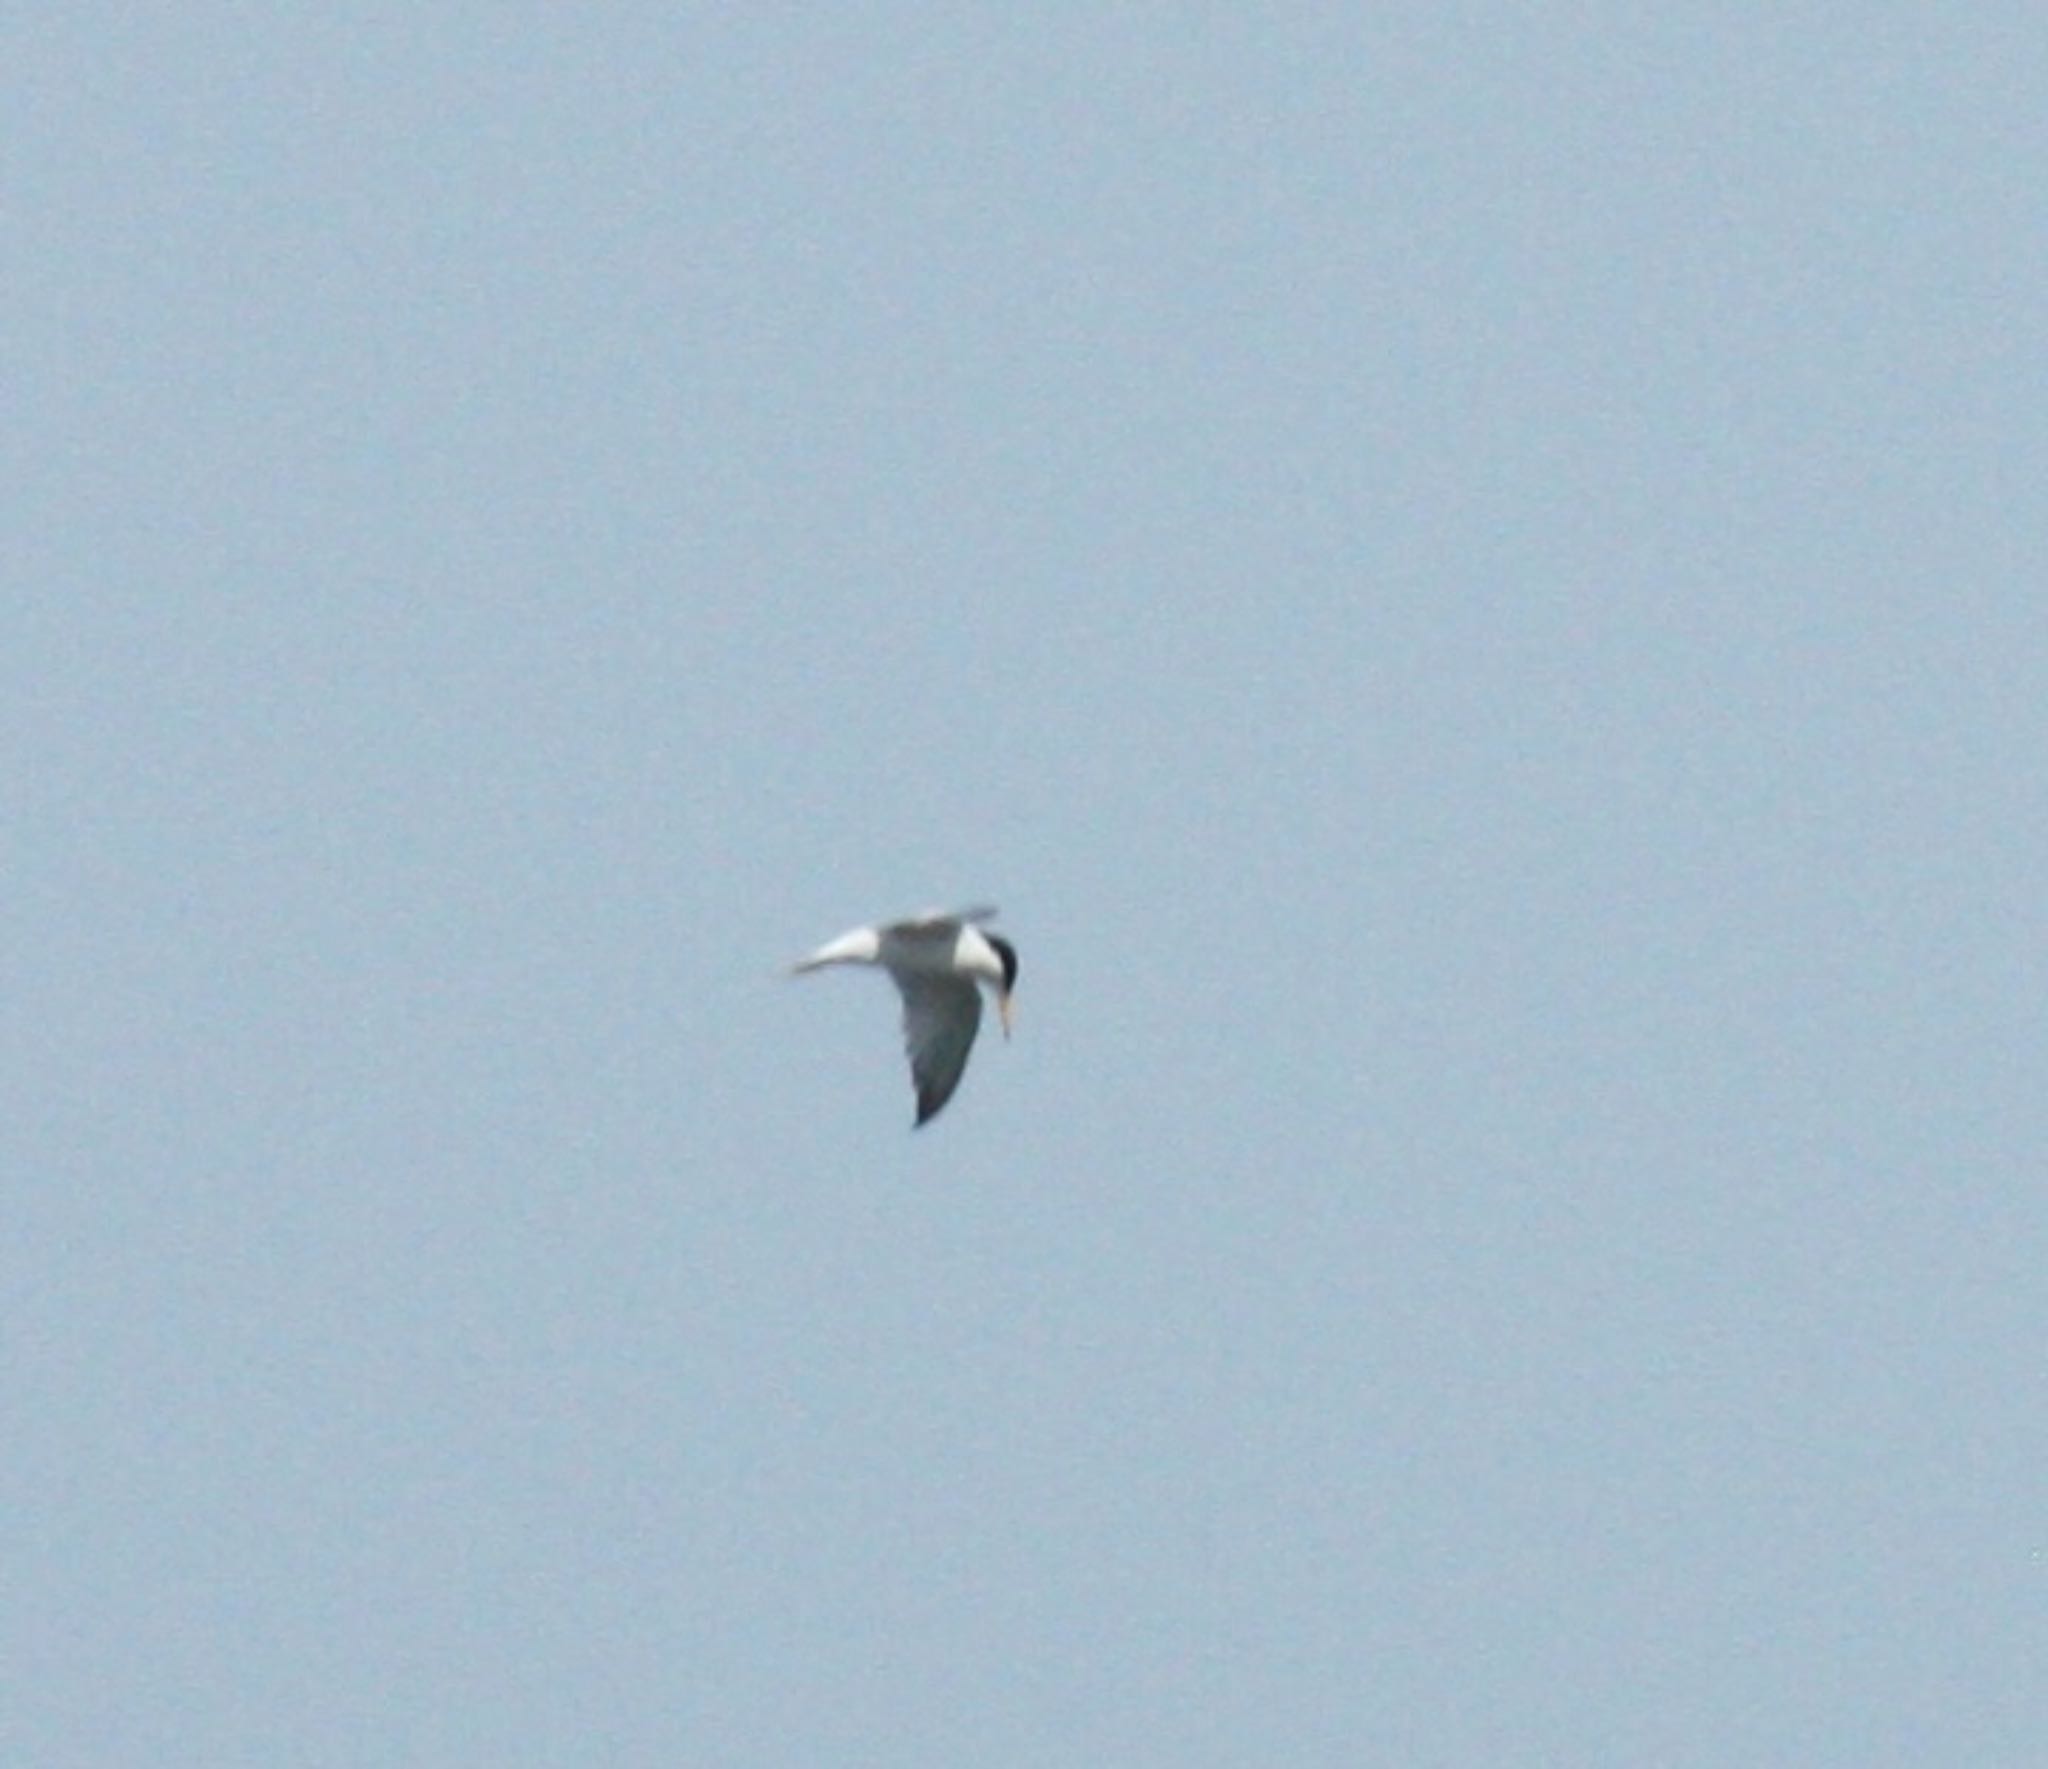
(940, 1018)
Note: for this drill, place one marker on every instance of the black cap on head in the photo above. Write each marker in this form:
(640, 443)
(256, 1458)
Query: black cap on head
(1008, 954)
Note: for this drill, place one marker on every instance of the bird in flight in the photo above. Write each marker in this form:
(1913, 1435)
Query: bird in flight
(937, 961)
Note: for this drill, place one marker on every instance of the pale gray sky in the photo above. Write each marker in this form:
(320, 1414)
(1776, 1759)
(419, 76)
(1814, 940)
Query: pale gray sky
(1471, 581)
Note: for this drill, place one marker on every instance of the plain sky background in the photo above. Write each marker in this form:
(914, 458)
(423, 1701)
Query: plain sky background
(1472, 580)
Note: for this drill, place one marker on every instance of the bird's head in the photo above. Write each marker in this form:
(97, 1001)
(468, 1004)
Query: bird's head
(1007, 953)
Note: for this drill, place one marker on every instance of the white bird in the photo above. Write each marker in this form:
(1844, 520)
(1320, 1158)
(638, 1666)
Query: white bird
(936, 960)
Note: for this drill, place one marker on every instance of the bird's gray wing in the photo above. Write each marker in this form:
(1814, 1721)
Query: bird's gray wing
(936, 920)
(940, 1018)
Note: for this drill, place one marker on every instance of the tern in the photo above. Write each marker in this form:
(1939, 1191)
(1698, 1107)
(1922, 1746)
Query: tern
(937, 961)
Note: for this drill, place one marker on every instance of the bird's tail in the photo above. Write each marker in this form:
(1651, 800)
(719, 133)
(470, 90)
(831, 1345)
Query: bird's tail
(858, 947)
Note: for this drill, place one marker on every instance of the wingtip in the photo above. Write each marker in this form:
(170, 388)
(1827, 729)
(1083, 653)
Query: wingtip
(930, 1103)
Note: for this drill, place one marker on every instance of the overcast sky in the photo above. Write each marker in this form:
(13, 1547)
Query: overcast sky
(1471, 580)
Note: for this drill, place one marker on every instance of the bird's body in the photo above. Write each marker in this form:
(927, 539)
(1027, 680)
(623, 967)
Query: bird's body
(938, 962)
